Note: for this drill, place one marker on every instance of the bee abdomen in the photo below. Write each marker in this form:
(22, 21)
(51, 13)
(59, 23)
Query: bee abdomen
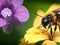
(57, 13)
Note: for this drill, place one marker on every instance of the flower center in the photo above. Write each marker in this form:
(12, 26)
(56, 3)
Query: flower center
(6, 12)
(51, 37)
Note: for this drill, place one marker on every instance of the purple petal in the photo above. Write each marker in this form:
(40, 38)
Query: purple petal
(2, 22)
(22, 14)
(17, 24)
(2, 3)
(17, 2)
(7, 28)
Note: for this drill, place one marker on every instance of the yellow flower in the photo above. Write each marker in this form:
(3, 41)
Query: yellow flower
(23, 42)
(36, 34)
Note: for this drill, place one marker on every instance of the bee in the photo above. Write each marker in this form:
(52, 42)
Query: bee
(51, 18)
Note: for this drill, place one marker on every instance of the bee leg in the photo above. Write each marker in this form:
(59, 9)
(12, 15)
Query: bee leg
(59, 27)
(51, 31)
(49, 25)
(48, 28)
(55, 27)
(39, 26)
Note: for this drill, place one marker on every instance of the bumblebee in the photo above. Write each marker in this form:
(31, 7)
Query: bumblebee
(49, 20)
(52, 18)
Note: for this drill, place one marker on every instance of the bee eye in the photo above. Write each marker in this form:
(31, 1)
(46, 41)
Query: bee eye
(49, 16)
(45, 20)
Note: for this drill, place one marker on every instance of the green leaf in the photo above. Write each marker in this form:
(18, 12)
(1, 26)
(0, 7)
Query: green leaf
(58, 43)
(39, 42)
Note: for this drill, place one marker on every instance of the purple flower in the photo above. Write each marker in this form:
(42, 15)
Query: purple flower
(12, 13)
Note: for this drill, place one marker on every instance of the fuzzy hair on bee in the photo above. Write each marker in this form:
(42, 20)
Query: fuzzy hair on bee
(51, 17)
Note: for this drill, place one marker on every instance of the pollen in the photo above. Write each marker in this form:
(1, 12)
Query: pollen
(6, 12)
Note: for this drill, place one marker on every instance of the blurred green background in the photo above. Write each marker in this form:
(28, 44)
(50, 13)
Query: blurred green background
(32, 6)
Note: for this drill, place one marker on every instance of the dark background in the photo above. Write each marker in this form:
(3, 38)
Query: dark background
(32, 6)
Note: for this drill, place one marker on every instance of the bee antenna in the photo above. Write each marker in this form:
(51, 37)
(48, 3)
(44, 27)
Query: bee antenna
(39, 26)
(39, 15)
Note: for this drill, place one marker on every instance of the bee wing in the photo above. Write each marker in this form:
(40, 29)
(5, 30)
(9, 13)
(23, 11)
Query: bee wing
(37, 20)
(53, 7)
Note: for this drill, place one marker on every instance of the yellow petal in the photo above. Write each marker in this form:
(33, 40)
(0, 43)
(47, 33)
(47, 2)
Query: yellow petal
(38, 19)
(53, 7)
(31, 30)
(48, 42)
(23, 42)
(33, 38)
(34, 30)
(57, 39)
(40, 12)
(57, 34)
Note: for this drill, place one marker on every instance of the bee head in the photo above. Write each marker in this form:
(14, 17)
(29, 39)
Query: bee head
(46, 20)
